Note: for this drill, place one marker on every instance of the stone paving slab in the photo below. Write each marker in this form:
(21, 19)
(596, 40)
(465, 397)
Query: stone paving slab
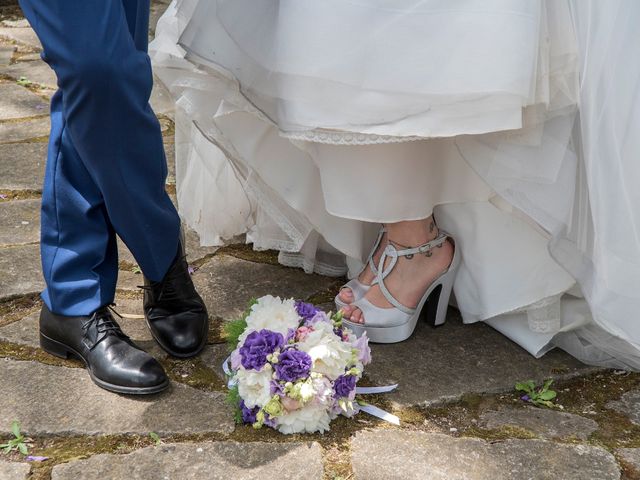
(19, 222)
(548, 424)
(629, 405)
(202, 461)
(36, 71)
(23, 35)
(14, 470)
(630, 457)
(64, 401)
(6, 53)
(444, 363)
(20, 271)
(407, 455)
(227, 283)
(25, 130)
(18, 102)
(22, 166)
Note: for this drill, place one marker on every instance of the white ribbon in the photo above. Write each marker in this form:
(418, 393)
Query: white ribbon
(378, 412)
(364, 407)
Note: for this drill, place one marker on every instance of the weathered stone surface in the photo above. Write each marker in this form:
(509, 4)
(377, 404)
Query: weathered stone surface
(14, 470)
(19, 222)
(384, 455)
(25, 130)
(6, 53)
(204, 461)
(21, 23)
(227, 283)
(444, 363)
(22, 166)
(18, 102)
(24, 35)
(129, 281)
(60, 400)
(629, 405)
(547, 424)
(630, 459)
(21, 271)
(36, 72)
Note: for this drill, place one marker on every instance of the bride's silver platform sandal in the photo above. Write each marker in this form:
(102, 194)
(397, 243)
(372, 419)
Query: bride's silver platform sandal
(392, 325)
(358, 288)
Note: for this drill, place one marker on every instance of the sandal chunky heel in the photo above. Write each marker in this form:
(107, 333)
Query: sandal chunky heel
(392, 325)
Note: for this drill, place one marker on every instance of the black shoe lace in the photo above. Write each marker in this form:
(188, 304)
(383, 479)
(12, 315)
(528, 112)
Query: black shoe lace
(165, 289)
(105, 324)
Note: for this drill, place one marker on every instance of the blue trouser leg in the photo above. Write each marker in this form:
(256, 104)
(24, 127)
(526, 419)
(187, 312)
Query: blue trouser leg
(106, 168)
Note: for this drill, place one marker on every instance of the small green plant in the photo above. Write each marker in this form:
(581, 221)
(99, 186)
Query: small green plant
(19, 442)
(24, 82)
(156, 438)
(540, 396)
(136, 269)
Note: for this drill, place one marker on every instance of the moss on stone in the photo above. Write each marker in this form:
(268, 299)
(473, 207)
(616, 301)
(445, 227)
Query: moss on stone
(17, 308)
(25, 353)
(246, 252)
(19, 195)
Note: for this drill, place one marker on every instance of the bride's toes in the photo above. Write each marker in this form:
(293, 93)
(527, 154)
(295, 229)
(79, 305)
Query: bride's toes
(346, 295)
(356, 316)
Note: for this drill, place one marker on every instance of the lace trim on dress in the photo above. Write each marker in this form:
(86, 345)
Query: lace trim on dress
(334, 137)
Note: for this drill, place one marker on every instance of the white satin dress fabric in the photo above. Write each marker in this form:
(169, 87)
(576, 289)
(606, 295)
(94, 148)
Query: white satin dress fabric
(305, 124)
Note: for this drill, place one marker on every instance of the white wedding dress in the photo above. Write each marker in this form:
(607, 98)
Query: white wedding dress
(302, 123)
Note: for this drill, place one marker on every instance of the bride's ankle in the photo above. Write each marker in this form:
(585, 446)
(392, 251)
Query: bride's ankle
(412, 233)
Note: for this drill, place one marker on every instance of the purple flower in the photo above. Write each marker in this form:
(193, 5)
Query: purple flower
(320, 316)
(364, 350)
(277, 388)
(36, 458)
(525, 398)
(3, 196)
(248, 414)
(257, 346)
(344, 385)
(305, 310)
(293, 365)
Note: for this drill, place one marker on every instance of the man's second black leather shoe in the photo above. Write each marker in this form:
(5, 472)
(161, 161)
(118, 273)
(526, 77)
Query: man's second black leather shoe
(114, 362)
(175, 313)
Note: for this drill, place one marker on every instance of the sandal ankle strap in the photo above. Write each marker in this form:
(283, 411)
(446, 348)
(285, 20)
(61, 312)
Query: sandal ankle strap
(393, 253)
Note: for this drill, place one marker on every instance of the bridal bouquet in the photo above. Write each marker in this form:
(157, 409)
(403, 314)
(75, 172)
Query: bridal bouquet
(293, 367)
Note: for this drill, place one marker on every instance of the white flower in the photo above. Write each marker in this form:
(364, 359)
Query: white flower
(329, 353)
(254, 387)
(309, 419)
(273, 314)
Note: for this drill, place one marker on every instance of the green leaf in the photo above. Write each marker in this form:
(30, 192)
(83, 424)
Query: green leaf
(547, 395)
(527, 387)
(547, 383)
(15, 429)
(23, 449)
(155, 437)
(232, 332)
(233, 399)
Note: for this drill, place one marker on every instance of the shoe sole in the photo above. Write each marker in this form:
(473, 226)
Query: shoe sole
(176, 354)
(58, 349)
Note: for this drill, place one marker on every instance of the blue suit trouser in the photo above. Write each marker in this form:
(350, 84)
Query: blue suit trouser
(106, 167)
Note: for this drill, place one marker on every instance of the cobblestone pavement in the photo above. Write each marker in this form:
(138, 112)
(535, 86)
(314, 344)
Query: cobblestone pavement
(460, 416)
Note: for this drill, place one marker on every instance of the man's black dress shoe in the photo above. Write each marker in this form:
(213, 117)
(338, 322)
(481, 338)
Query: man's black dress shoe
(114, 362)
(175, 313)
